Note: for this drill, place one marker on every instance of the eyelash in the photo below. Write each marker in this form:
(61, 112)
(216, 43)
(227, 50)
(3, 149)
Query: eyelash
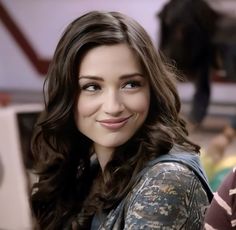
(134, 84)
(87, 86)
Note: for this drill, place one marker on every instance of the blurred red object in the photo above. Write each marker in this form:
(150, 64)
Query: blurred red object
(5, 99)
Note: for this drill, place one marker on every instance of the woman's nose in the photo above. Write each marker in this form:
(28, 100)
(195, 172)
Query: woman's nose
(113, 103)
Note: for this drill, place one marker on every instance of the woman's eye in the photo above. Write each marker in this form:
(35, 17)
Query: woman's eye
(132, 84)
(91, 87)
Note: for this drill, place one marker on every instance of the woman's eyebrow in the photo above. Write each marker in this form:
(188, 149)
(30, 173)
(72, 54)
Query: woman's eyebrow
(91, 77)
(122, 77)
(125, 76)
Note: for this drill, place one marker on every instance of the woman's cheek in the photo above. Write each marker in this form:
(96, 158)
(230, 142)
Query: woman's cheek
(139, 103)
(86, 107)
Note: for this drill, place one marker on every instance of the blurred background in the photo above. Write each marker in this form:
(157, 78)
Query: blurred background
(199, 37)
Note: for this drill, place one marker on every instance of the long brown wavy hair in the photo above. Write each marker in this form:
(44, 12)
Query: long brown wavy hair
(62, 154)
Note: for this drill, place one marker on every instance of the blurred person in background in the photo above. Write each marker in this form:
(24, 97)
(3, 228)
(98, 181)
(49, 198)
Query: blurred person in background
(187, 28)
(222, 212)
(215, 159)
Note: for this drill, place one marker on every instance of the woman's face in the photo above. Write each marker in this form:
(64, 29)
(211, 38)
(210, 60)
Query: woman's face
(114, 96)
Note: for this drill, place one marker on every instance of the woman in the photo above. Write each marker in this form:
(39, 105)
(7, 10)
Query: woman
(108, 145)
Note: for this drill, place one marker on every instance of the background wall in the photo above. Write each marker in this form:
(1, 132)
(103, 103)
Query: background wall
(42, 22)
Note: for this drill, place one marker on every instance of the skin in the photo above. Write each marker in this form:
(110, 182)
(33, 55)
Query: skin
(114, 98)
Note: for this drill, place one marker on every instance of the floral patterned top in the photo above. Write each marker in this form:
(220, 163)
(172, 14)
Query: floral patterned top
(168, 196)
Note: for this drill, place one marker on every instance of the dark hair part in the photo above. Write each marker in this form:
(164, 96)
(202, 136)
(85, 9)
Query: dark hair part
(62, 153)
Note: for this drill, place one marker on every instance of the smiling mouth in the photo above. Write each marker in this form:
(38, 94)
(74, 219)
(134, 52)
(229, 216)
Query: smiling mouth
(114, 123)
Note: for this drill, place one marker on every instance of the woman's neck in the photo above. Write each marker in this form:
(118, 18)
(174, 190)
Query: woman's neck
(104, 155)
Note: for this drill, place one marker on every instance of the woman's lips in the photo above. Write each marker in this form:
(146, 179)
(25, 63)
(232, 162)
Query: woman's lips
(116, 123)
